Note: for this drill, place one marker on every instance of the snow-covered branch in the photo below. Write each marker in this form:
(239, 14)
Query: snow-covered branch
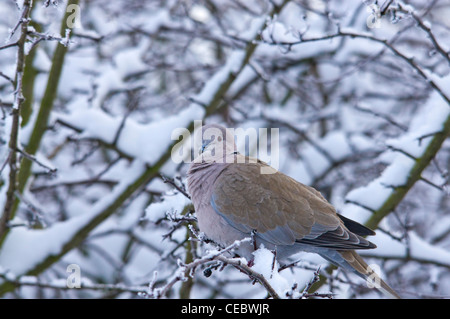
(358, 91)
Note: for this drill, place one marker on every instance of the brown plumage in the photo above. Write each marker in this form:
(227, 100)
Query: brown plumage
(234, 200)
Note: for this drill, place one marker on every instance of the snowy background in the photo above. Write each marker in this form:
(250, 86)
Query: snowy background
(91, 92)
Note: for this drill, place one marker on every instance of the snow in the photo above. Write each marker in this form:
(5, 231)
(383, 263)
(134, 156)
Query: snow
(414, 143)
(265, 265)
(333, 147)
(133, 135)
(417, 249)
(42, 62)
(372, 196)
(171, 204)
(155, 21)
(277, 32)
(422, 128)
(129, 61)
(199, 13)
(20, 253)
(233, 65)
(93, 122)
(334, 102)
(396, 174)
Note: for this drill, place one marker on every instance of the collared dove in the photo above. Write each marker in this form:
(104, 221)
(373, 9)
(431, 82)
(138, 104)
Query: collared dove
(233, 200)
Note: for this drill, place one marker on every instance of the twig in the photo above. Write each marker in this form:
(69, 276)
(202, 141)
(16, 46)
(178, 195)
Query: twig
(360, 205)
(37, 213)
(384, 8)
(305, 294)
(132, 105)
(3, 75)
(9, 45)
(182, 269)
(179, 222)
(22, 20)
(93, 149)
(396, 149)
(87, 182)
(48, 37)
(215, 256)
(46, 105)
(8, 211)
(424, 26)
(315, 279)
(237, 262)
(409, 60)
(303, 134)
(441, 188)
(171, 181)
(5, 163)
(29, 281)
(383, 116)
(50, 170)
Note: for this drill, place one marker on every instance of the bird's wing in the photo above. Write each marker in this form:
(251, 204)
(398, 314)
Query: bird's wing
(279, 209)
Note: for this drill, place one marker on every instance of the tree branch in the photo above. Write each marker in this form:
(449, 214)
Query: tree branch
(8, 210)
(40, 125)
(212, 106)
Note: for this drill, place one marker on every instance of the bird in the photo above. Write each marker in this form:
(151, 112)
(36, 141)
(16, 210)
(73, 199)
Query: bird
(233, 200)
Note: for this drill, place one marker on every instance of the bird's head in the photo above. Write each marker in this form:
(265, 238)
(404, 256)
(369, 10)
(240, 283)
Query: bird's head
(214, 142)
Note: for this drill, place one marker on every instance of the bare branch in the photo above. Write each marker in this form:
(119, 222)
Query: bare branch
(181, 188)
(50, 170)
(13, 139)
(409, 60)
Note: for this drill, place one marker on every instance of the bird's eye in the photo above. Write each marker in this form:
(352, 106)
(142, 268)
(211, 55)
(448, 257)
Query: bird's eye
(219, 138)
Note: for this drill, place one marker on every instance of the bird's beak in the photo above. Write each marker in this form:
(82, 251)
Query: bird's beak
(204, 145)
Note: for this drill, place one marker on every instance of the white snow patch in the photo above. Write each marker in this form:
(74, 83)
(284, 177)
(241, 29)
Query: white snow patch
(171, 203)
(265, 264)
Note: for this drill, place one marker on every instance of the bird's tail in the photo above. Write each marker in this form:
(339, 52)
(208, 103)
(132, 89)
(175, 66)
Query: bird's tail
(373, 280)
